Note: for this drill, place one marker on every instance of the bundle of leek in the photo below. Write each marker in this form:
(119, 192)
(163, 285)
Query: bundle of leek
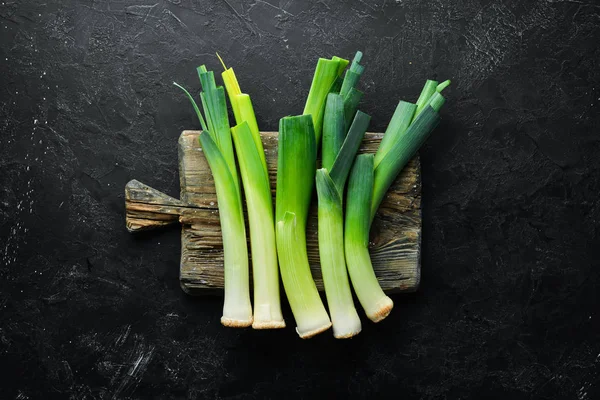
(257, 190)
(331, 113)
(215, 140)
(370, 179)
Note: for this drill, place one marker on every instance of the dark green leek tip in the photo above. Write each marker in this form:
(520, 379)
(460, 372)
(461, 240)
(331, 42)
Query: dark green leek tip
(442, 86)
(357, 57)
(207, 78)
(428, 89)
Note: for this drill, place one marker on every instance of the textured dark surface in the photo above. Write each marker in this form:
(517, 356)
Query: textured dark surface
(508, 300)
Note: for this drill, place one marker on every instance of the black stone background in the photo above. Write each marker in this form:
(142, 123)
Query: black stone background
(509, 297)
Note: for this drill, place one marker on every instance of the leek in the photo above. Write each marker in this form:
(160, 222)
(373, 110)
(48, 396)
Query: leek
(257, 190)
(296, 164)
(370, 179)
(346, 322)
(376, 304)
(215, 140)
(330, 188)
(265, 272)
(341, 141)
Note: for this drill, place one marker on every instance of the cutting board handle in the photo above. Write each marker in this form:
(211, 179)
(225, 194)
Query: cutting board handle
(147, 208)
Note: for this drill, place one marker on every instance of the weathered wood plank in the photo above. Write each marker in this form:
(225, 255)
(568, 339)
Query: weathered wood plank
(395, 236)
(148, 208)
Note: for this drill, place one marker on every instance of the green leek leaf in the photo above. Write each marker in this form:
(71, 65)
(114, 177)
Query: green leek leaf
(334, 130)
(398, 125)
(400, 153)
(345, 158)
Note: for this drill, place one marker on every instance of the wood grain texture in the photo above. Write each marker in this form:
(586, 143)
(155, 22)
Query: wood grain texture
(395, 235)
(149, 208)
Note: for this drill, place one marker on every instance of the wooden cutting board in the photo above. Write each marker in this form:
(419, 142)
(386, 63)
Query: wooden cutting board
(395, 241)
